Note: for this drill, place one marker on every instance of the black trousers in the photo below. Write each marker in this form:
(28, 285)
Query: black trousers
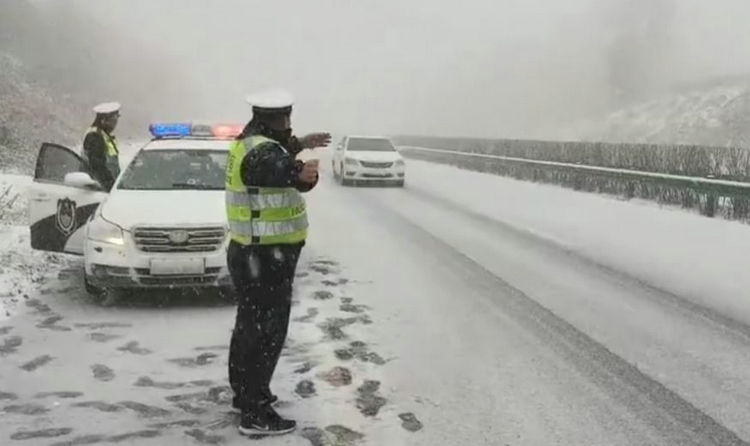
(263, 278)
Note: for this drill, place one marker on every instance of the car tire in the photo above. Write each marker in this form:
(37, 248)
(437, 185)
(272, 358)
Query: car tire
(93, 291)
(345, 182)
(227, 294)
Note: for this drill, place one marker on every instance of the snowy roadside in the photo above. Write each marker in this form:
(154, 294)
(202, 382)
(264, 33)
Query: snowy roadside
(698, 258)
(77, 373)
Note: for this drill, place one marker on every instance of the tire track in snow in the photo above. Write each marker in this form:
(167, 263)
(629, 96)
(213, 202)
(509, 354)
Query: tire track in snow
(656, 405)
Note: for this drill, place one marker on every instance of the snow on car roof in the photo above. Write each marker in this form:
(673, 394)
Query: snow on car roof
(188, 143)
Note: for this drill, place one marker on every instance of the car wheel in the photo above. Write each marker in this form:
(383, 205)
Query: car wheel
(95, 292)
(227, 294)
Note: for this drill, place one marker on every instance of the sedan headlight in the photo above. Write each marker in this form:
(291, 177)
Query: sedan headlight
(351, 162)
(101, 230)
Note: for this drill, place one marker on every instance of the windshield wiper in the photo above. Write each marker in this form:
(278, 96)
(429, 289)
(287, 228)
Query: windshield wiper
(196, 186)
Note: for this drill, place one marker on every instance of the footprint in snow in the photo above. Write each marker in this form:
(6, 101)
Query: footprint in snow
(102, 372)
(36, 363)
(410, 422)
(100, 406)
(59, 394)
(10, 345)
(43, 433)
(311, 314)
(5, 330)
(335, 435)
(202, 437)
(26, 409)
(144, 410)
(134, 348)
(369, 402)
(305, 389)
(103, 337)
(200, 360)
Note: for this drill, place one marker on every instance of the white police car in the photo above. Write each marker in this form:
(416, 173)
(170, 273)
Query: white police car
(162, 225)
(368, 160)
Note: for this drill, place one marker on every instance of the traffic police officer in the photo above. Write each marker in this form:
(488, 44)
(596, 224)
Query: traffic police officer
(268, 227)
(99, 145)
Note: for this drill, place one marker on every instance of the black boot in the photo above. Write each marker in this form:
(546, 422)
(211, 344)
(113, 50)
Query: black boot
(263, 420)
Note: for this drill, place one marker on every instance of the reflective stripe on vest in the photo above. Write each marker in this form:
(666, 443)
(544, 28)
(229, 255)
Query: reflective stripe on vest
(112, 155)
(261, 215)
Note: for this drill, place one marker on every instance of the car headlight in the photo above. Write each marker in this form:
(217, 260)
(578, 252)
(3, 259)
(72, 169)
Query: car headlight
(101, 230)
(351, 162)
(400, 163)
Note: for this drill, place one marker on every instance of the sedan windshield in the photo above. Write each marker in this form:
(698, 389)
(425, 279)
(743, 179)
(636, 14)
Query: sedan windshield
(176, 169)
(370, 145)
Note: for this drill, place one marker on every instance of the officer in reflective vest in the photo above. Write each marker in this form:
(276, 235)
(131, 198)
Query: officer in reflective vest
(268, 227)
(99, 145)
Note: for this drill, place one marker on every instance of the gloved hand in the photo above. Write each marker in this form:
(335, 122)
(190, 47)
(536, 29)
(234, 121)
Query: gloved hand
(314, 140)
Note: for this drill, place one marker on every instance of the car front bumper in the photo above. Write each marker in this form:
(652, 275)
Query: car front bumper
(361, 173)
(124, 266)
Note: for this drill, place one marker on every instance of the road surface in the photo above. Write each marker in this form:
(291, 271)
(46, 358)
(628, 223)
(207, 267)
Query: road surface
(419, 321)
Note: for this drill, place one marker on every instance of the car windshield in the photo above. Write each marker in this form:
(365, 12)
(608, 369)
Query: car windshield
(370, 145)
(176, 169)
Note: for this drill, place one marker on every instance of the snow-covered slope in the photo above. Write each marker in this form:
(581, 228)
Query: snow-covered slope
(717, 115)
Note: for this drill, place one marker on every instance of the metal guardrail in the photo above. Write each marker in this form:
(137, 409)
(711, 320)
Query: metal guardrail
(710, 186)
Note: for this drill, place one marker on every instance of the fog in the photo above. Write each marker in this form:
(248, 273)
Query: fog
(503, 68)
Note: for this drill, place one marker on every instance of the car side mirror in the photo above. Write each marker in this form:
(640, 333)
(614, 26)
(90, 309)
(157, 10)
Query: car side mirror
(81, 180)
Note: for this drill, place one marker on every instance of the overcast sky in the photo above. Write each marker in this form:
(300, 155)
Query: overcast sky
(514, 68)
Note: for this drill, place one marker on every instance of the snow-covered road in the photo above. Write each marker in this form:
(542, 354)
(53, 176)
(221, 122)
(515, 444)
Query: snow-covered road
(492, 311)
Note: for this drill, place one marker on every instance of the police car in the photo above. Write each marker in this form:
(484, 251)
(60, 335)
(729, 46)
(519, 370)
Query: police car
(163, 224)
(368, 160)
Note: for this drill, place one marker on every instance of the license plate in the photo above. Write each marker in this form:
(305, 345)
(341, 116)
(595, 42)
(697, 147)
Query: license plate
(172, 267)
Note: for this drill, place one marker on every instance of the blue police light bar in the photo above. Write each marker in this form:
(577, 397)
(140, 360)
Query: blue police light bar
(164, 130)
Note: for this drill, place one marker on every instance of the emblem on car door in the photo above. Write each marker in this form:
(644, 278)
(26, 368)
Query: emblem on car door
(66, 216)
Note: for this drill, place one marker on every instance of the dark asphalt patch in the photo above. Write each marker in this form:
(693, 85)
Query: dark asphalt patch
(10, 345)
(305, 389)
(37, 362)
(369, 402)
(43, 433)
(144, 410)
(102, 372)
(410, 422)
(203, 438)
(26, 409)
(134, 348)
(59, 394)
(103, 337)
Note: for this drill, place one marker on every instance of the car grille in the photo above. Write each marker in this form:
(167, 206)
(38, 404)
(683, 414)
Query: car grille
(376, 165)
(198, 239)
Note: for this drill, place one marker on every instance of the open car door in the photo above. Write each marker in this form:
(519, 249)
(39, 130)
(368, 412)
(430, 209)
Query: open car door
(61, 199)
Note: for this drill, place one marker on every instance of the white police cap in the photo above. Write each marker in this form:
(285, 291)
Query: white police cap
(275, 100)
(107, 108)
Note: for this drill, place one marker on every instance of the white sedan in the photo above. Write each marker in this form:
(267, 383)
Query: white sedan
(162, 225)
(368, 160)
